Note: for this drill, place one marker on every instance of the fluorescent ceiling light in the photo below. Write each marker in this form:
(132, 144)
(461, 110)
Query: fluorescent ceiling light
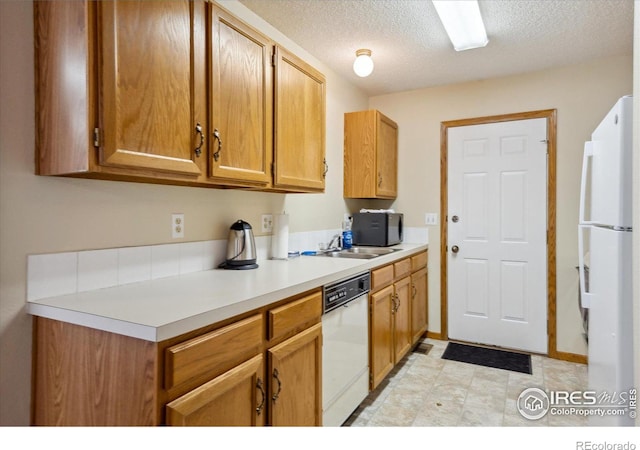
(463, 23)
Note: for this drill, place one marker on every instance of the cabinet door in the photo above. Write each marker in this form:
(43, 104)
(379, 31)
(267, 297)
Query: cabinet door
(419, 304)
(151, 78)
(402, 316)
(299, 124)
(240, 100)
(295, 371)
(387, 157)
(381, 323)
(235, 398)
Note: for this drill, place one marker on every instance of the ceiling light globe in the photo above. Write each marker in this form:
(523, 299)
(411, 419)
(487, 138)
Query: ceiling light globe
(363, 65)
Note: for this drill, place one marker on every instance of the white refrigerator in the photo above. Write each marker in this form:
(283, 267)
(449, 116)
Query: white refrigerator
(604, 243)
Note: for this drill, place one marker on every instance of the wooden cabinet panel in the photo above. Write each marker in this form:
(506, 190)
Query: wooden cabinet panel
(387, 157)
(295, 385)
(240, 132)
(402, 268)
(213, 353)
(235, 398)
(402, 320)
(64, 119)
(88, 377)
(287, 318)
(381, 277)
(370, 155)
(419, 304)
(146, 73)
(299, 124)
(381, 335)
(418, 261)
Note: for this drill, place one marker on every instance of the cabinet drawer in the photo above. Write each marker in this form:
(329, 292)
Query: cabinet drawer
(418, 261)
(295, 314)
(381, 277)
(402, 267)
(213, 353)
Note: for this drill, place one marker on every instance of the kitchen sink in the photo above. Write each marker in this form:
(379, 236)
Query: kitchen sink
(378, 251)
(358, 252)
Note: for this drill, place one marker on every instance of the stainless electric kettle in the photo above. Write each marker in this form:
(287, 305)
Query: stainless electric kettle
(241, 247)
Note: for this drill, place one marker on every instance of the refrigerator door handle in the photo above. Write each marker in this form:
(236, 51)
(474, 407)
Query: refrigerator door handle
(585, 297)
(586, 157)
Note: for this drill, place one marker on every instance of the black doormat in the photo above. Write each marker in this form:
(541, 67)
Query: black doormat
(488, 357)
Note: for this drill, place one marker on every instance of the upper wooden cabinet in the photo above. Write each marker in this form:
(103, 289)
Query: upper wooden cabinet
(370, 155)
(175, 92)
(241, 122)
(299, 124)
(119, 89)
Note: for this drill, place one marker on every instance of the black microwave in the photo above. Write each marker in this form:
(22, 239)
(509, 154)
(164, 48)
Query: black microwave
(377, 229)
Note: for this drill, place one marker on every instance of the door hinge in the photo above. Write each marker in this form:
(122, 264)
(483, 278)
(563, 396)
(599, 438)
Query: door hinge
(96, 137)
(545, 142)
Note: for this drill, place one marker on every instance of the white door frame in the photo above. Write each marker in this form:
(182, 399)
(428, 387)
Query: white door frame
(550, 116)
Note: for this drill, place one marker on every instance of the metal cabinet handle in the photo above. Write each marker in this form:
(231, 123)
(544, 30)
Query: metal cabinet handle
(277, 394)
(260, 387)
(379, 179)
(455, 249)
(216, 135)
(198, 149)
(326, 168)
(414, 291)
(396, 306)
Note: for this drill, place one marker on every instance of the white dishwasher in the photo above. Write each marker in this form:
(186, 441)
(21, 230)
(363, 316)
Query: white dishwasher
(345, 349)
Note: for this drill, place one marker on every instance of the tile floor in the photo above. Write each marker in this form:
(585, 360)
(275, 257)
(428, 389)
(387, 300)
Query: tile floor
(426, 390)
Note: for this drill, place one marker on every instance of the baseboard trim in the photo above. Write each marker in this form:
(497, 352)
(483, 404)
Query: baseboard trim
(438, 336)
(571, 357)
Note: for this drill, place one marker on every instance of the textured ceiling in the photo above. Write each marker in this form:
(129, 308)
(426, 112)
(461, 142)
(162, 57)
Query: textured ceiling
(411, 49)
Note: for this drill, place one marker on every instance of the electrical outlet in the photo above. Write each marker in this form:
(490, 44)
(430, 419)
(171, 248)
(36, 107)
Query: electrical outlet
(177, 226)
(431, 219)
(267, 223)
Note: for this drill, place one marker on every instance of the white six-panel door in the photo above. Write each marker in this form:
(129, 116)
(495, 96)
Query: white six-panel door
(497, 222)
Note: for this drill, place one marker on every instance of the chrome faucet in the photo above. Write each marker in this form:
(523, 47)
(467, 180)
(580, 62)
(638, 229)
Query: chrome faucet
(334, 244)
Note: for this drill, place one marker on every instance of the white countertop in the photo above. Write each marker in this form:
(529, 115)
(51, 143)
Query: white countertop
(164, 308)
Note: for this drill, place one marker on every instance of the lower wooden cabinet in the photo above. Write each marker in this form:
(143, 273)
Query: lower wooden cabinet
(381, 360)
(398, 313)
(419, 303)
(295, 385)
(235, 373)
(391, 337)
(235, 398)
(402, 318)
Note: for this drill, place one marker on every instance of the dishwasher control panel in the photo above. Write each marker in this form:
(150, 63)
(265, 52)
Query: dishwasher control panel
(342, 292)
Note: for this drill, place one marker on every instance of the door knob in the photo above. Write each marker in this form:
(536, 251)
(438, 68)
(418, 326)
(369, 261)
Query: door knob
(455, 219)
(455, 249)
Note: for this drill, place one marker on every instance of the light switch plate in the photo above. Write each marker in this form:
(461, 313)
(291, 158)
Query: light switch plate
(431, 219)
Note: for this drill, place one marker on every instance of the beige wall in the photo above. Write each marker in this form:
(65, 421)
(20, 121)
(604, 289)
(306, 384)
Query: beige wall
(43, 214)
(581, 95)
